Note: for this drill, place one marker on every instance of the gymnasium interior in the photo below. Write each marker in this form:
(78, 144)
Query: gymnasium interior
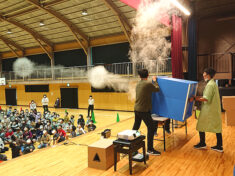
(66, 60)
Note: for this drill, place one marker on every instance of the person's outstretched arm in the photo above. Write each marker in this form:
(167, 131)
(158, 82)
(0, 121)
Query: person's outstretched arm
(154, 86)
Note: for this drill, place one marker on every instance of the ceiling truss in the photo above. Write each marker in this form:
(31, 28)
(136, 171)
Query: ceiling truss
(10, 43)
(73, 29)
(126, 27)
(38, 38)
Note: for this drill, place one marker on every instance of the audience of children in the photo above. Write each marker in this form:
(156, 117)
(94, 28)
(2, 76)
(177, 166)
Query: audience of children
(25, 129)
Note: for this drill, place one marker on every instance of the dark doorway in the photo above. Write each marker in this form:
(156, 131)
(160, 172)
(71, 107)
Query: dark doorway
(10, 95)
(69, 97)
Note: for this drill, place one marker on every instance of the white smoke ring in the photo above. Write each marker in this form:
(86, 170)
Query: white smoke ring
(23, 67)
(100, 78)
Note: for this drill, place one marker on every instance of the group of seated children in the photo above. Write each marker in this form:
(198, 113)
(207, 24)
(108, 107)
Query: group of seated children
(23, 130)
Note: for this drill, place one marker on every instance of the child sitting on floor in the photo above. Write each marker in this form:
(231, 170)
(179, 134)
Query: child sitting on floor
(91, 126)
(80, 130)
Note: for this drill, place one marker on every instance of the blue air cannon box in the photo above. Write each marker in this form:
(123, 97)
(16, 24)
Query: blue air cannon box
(172, 99)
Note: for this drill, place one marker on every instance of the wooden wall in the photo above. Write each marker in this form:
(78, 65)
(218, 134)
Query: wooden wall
(109, 101)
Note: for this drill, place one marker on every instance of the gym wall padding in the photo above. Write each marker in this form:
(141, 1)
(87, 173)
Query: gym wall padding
(107, 100)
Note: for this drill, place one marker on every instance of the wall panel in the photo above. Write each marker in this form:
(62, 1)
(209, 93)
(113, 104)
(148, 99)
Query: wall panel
(109, 100)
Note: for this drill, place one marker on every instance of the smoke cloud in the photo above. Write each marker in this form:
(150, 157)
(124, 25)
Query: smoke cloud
(23, 67)
(100, 78)
(148, 35)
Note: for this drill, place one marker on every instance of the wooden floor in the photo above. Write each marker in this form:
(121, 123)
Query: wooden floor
(179, 159)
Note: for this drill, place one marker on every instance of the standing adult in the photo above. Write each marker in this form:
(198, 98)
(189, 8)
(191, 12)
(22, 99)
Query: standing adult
(91, 102)
(143, 106)
(210, 116)
(45, 102)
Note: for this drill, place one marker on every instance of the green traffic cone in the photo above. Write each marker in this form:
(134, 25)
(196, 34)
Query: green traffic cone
(118, 120)
(93, 117)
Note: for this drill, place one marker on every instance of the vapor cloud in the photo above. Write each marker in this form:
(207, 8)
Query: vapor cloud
(149, 44)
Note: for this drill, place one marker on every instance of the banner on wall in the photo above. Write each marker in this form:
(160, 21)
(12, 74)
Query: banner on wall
(2, 81)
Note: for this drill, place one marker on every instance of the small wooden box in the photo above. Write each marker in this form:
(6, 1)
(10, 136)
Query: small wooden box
(101, 154)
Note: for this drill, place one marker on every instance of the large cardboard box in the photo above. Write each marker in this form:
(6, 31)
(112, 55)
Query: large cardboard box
(228, 102)
(229, 107)
(172, 99)
(230, 117)
(101, 154)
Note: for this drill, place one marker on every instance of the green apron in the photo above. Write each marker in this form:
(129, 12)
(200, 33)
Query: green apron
(210, 116)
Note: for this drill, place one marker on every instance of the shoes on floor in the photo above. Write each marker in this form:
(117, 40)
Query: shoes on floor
(217, 148)
(154, 152)
(200, 146)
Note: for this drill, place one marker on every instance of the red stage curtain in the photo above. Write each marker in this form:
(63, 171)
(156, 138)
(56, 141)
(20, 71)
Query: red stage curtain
(176, 47)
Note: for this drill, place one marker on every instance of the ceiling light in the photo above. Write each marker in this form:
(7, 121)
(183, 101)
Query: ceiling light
(9, 31)
(180, 6)
(41, 23)
(84, 12)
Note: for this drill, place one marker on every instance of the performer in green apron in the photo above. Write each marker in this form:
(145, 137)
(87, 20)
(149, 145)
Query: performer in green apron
(210, 116)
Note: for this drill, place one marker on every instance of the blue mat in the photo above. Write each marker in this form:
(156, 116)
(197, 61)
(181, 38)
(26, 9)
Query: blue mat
(172, 100)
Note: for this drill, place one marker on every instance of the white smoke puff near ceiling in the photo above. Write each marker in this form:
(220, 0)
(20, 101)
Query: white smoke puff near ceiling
(23, 67)
(148, 35)
(100, 78)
